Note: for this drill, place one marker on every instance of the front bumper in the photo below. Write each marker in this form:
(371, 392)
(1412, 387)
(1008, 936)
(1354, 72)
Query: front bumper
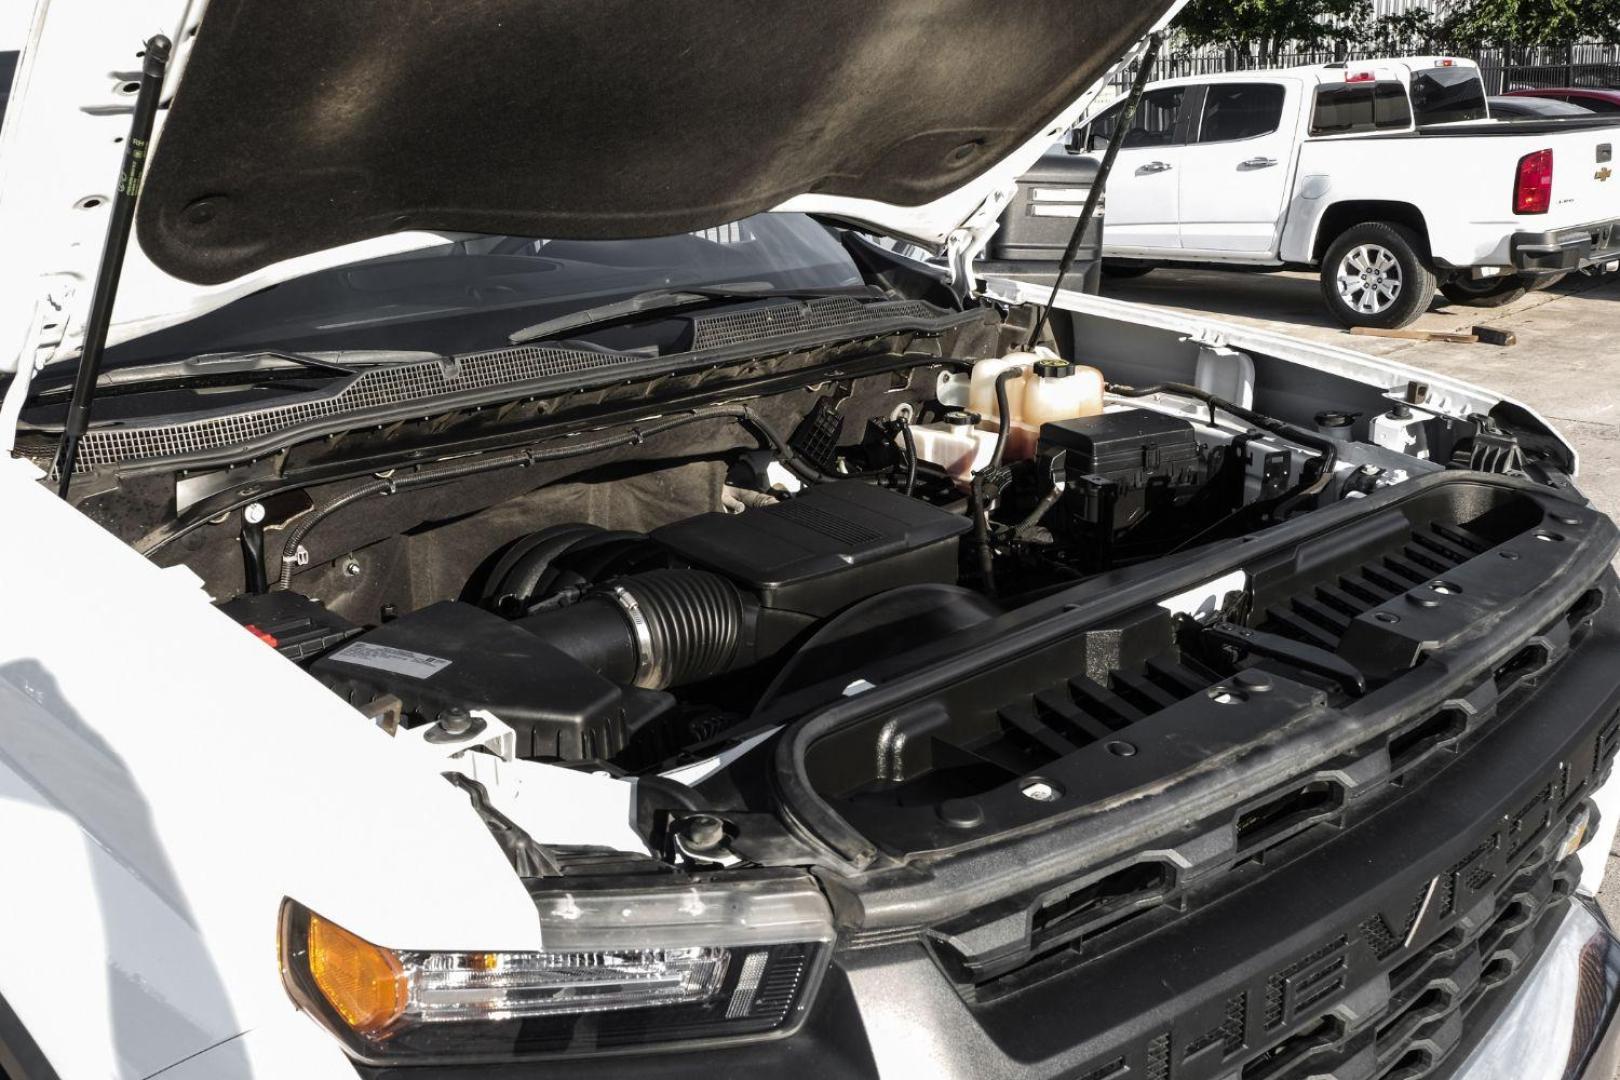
(1562, 250)
(1561, 1024)
(1391, 949)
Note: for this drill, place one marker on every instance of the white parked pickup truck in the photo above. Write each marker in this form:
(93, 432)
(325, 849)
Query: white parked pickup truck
(1387, 175)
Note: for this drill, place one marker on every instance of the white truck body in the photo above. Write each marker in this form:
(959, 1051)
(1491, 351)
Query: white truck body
(1239, 169)
(167, 782)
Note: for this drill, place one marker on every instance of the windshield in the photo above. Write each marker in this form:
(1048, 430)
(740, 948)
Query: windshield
(1448, 95)
(470, 294)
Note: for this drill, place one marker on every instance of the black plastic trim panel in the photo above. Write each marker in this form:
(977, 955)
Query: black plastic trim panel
(1385, 952)
(384, 394)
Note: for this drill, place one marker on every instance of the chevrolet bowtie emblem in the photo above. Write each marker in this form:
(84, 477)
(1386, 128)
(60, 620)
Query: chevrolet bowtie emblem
(1604, 173)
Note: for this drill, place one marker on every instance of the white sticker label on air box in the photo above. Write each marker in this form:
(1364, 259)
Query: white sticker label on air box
(400, 661)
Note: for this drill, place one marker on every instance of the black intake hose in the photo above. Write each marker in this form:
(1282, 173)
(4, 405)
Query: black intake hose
(655, 630)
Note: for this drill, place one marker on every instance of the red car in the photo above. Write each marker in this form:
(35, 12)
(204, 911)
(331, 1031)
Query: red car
(1600, 101)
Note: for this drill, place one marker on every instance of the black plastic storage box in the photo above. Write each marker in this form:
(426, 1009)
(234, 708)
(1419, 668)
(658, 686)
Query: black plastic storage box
(1036, 226)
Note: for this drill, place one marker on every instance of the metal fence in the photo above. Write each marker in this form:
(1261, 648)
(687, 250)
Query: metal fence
(1507, 68)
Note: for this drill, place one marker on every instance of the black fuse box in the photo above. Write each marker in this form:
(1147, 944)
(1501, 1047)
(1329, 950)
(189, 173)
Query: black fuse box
(1130, 446)
(1120, 470)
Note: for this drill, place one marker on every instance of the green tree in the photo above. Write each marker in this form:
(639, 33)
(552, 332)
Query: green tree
(1261, 28)
(1409, 33)
(1486, 23)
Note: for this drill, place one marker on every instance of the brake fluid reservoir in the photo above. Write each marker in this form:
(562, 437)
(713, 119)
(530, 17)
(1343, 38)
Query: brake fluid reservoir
(1054, 390)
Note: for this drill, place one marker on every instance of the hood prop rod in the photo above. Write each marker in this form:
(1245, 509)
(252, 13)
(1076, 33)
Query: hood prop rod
(153, 64)
(1099, 182)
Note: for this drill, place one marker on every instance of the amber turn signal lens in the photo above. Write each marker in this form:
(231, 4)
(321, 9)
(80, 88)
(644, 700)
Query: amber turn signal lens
(365, 983)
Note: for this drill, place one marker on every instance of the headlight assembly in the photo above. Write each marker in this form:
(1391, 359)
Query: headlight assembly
(623, 968)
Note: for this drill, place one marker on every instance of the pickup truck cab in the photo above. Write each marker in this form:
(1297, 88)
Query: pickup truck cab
(1387, 176)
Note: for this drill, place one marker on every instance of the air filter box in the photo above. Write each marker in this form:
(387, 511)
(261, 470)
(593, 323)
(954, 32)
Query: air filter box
(820, 552)
(456, 656)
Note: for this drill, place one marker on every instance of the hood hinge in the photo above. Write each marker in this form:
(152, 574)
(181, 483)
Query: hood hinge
(46, 332)
(968, 241)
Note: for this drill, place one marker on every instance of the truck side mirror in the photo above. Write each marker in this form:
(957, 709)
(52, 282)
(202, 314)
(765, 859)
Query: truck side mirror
(1076, 143)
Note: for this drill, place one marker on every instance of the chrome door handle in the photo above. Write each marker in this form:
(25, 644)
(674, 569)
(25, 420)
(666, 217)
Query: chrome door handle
(1156, 166)
(1258, 163)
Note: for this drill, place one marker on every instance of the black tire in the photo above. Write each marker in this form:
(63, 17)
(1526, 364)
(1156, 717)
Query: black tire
(1125, 268)
(1547, 281)
(1487, 292)
(1388, 283)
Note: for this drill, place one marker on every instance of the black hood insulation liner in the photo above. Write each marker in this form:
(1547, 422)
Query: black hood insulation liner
(601, 120)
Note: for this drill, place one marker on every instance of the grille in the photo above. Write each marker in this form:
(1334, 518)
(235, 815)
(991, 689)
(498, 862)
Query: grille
(1230, 1032)
(1107, 1072)
(1158, 1058)
(1434, 993)
(1370, 1004)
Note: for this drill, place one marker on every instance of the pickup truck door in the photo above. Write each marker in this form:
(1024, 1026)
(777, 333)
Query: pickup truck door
(1143, 195)
(1237, 166)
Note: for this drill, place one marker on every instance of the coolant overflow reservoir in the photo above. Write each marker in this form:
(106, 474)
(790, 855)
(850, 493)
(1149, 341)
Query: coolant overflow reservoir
(1054, 390)
(1059, 390)
(982, 388)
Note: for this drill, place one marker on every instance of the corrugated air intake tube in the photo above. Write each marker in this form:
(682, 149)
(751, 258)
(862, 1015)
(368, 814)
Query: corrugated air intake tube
(655, 629)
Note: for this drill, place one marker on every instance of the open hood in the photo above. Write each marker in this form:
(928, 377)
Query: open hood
(355, 129)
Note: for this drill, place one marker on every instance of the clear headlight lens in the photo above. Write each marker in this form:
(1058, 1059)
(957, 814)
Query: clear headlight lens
(623, 968)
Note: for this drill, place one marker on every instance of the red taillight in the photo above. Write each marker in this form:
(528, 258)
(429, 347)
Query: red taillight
(1532, 192)
(1361, 76)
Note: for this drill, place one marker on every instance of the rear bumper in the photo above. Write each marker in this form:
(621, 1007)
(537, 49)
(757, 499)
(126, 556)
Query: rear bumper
(1561, 1024)
(1562, 250)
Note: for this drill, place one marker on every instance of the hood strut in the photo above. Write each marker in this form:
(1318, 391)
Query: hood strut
(153, 64)
(1126, 116)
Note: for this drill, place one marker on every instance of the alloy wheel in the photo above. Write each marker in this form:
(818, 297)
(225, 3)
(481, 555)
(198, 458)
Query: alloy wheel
(1369, 279)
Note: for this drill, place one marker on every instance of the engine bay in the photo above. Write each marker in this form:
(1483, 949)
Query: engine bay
(636, 613)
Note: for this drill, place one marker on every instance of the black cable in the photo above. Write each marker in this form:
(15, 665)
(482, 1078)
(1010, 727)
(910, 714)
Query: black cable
(1033, 519)
(911, 454)
(981, 539)
(289, 550)
(1003, 410)
(1281, 428)
(739, 413)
